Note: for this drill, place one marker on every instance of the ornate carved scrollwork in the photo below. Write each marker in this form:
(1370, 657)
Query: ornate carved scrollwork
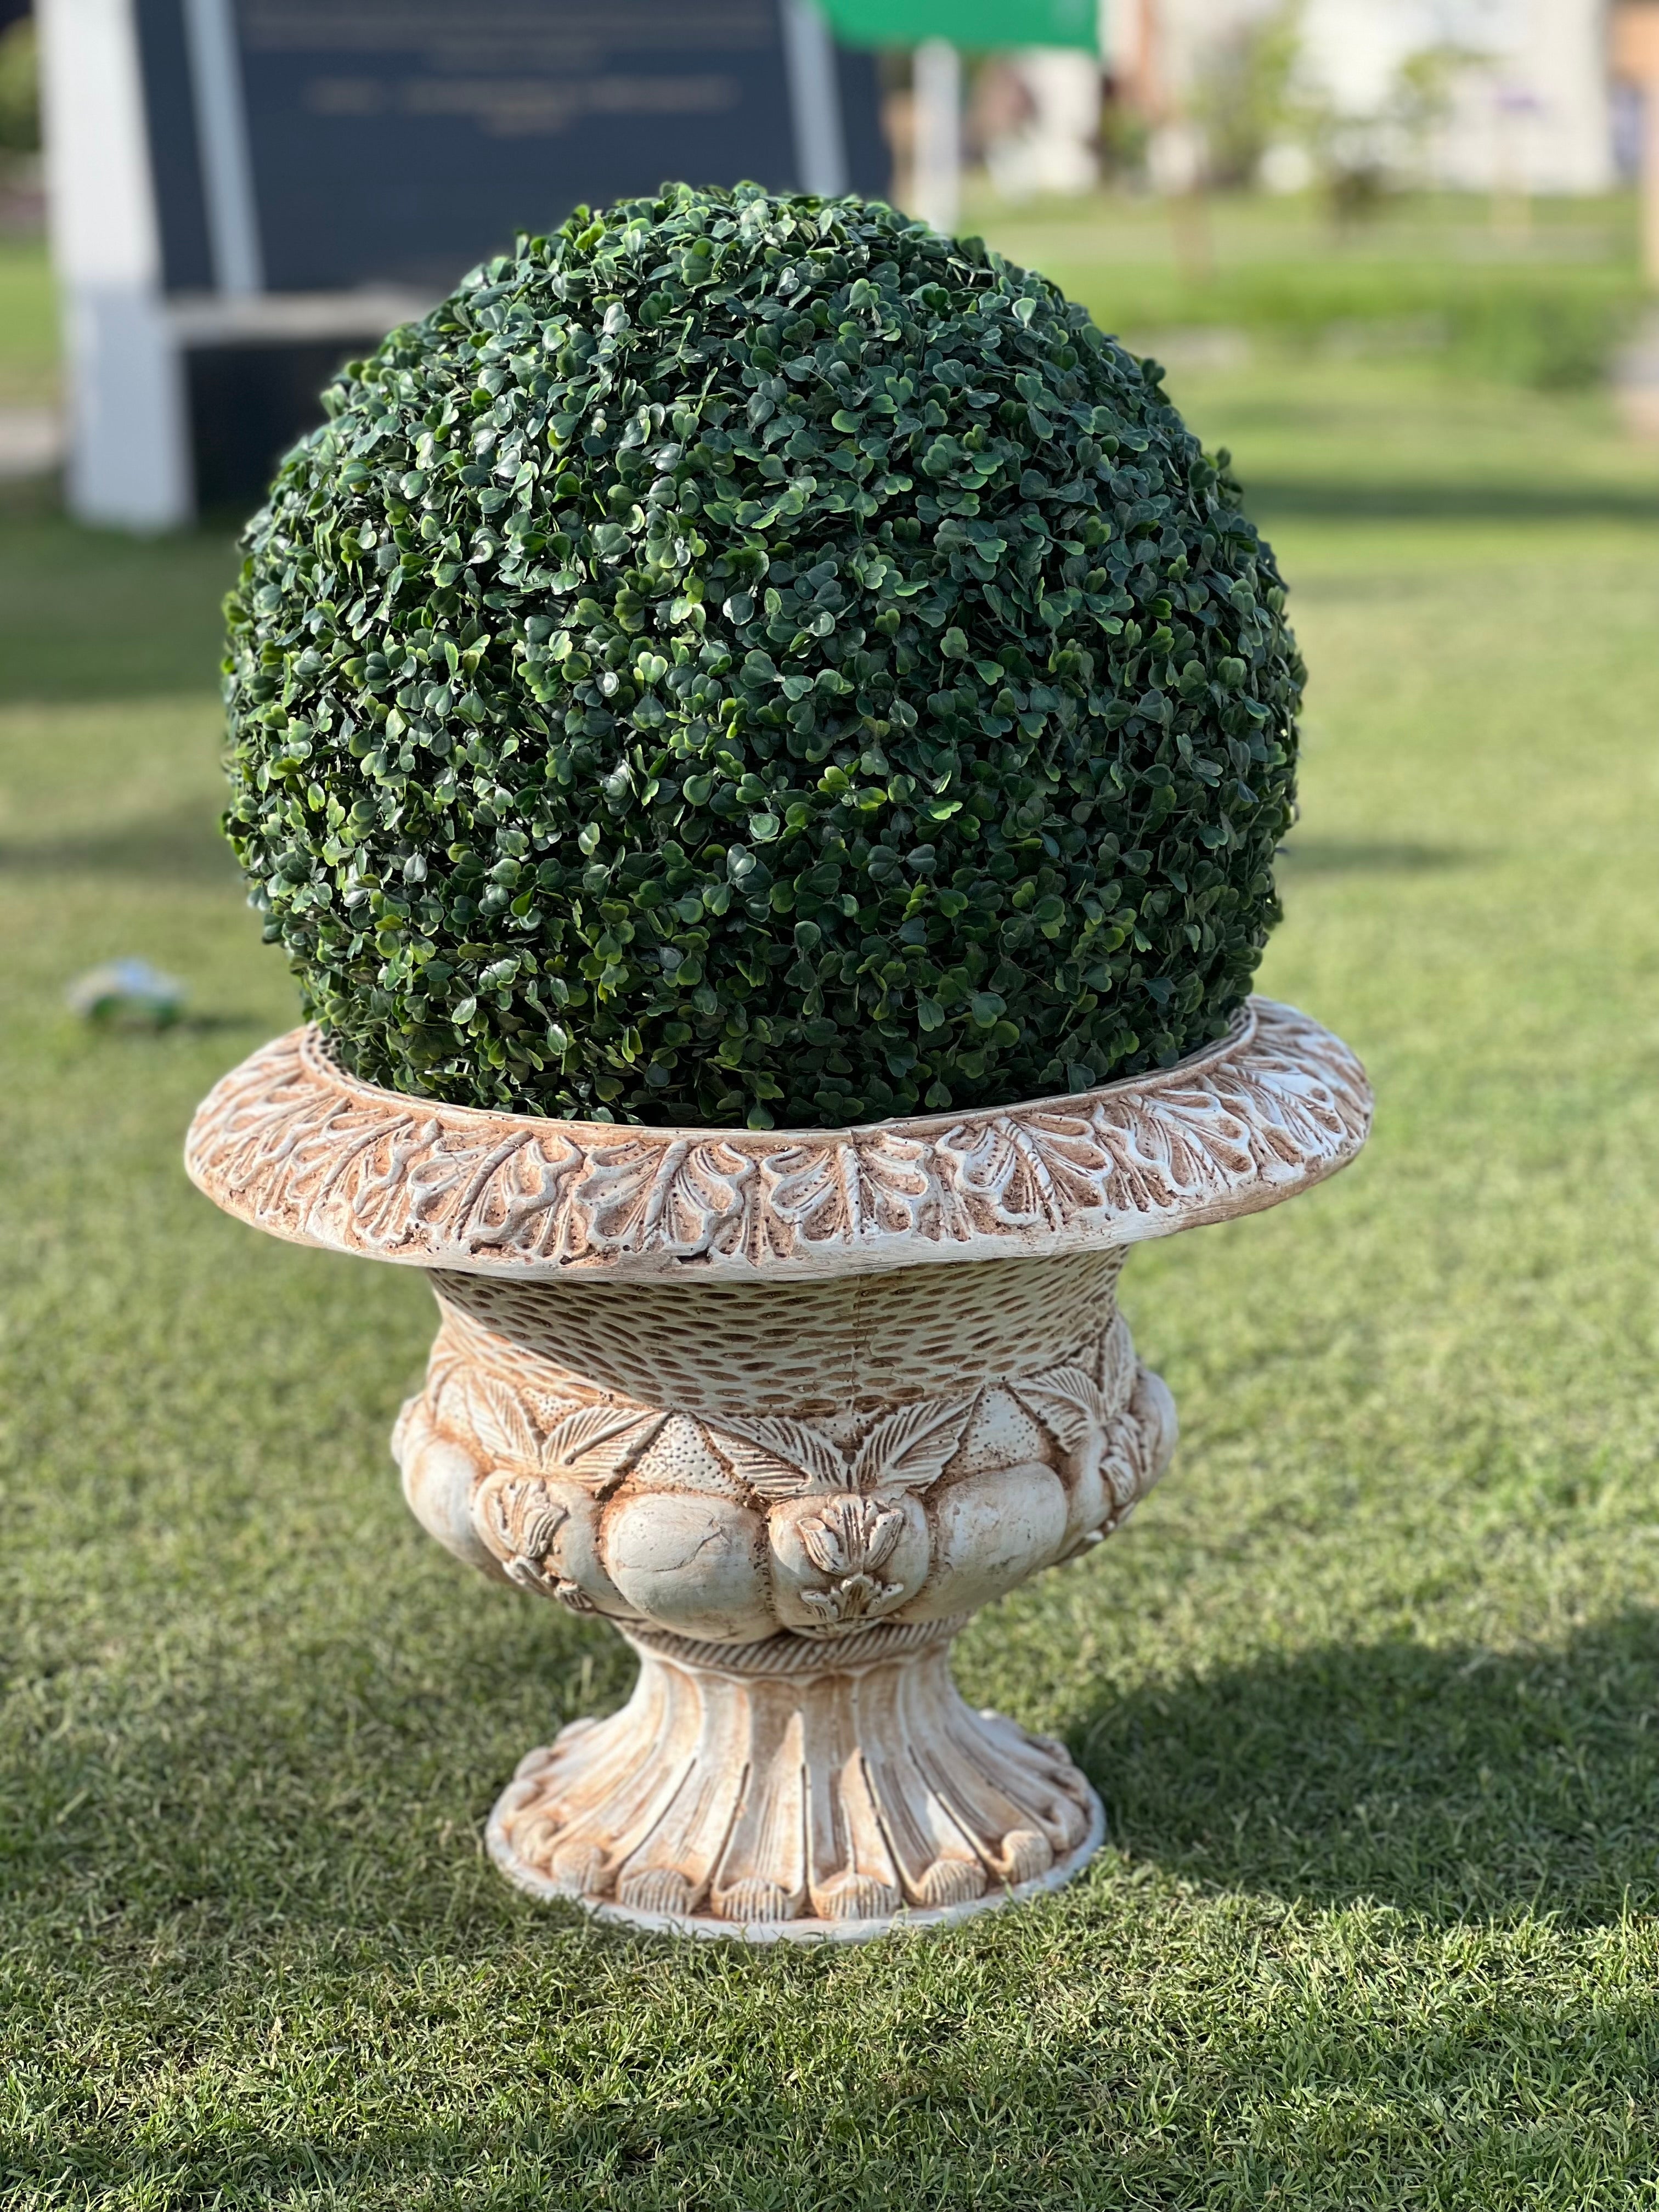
(291, 1143)
(822, 1528)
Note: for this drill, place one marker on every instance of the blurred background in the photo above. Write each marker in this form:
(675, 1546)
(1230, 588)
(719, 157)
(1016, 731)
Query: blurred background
(1371, 1686)
(233, 195)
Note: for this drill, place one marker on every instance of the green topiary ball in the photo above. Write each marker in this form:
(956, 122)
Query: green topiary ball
(756, 659)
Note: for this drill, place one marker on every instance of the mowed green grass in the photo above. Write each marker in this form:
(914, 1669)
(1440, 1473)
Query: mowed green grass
(28, 325)
(1371, 1687)
(1542, 303)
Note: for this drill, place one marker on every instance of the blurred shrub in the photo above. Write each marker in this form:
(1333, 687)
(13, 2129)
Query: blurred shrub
(1556, 339)
(20, 91)
(1552, 328)
(1246, 96)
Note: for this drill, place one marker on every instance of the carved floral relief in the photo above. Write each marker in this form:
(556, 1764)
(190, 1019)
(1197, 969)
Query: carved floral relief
(856, 1524)
(291, 1143)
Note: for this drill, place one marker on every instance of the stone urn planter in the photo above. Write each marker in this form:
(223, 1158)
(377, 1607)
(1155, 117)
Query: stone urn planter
(786, 1407)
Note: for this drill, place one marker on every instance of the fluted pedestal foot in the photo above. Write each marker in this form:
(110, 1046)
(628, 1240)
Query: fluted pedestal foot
(797, 1790)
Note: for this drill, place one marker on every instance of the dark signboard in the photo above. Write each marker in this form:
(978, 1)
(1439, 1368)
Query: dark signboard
(320, 169)
(396, 141)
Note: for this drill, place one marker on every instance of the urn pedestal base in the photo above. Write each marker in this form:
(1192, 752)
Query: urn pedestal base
(797, 1791)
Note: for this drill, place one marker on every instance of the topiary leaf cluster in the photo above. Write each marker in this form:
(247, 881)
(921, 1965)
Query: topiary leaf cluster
(755, 658)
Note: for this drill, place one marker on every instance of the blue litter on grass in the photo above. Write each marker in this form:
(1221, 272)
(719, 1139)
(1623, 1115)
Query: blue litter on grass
(128, 994)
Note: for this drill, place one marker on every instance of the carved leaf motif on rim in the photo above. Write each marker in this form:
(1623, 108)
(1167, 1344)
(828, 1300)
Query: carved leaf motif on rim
(839, 1193)
(1196, 1146)
(514, 1198)
(292, 1143)
(1038, 1172)
(682, 1198)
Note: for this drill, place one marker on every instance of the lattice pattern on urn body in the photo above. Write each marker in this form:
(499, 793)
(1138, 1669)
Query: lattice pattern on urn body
(292, 1144)
(728, 1519)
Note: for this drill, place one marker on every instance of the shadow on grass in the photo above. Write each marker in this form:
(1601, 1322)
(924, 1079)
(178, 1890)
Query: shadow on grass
(180, 844)
(321, 1820)
(1268, 499)
(1355, 856)
(1452, 1783)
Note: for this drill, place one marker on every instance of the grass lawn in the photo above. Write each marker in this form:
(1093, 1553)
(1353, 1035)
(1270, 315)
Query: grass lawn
(1540, 305)
(1371, 1687)
(28, 325)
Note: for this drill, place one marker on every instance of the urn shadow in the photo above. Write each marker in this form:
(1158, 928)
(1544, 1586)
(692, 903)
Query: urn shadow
(1362, 856)
(1455, 1783)
(1270, 499)
(177, 845)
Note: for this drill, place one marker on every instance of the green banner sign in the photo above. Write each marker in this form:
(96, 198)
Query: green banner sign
(965, 22)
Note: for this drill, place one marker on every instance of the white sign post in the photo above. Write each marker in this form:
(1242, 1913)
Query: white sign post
(937, 93)
(129, 444)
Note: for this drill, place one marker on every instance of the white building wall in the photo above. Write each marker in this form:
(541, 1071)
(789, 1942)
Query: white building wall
(1531, 110)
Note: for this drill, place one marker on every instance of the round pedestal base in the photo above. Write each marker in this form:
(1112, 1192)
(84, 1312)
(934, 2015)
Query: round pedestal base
(795, 1791)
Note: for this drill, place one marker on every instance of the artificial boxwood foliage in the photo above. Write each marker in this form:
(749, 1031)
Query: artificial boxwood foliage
(747, 659)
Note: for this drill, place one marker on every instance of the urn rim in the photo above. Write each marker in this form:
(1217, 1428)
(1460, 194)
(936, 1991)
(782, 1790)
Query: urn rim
(292, 1143)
